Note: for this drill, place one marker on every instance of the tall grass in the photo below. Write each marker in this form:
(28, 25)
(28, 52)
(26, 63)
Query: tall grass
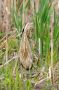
(41, 21)
(42, 27)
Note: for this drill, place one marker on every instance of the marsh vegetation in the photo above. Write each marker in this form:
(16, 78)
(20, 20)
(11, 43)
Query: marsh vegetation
(29, 45)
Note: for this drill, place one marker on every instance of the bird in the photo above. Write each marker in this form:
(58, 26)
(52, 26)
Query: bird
(25, 49)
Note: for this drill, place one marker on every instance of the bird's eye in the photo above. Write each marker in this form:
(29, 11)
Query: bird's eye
(23, 30)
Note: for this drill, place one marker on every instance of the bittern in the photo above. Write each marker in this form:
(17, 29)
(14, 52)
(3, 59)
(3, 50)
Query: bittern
(25, 49)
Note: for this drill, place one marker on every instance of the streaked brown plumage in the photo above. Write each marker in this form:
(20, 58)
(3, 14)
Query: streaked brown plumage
(25, 51)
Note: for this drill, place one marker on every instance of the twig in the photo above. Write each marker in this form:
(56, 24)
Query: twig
(35, 57)
(42, 80)
(9, 61)
(8, 34)
(15, 66)
(3, 41)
